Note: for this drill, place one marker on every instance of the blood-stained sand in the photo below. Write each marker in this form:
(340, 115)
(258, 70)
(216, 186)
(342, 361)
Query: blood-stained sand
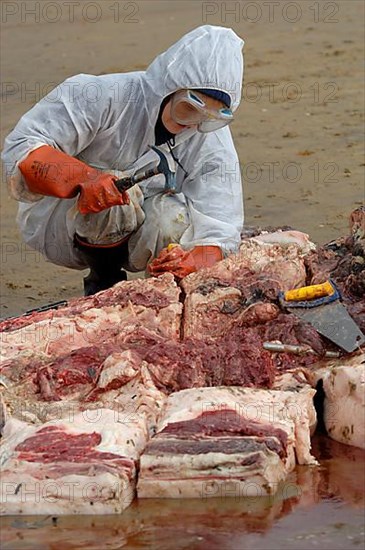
(298, 132)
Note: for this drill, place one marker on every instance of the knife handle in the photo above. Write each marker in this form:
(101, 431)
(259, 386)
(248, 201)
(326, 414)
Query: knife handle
(310, 292)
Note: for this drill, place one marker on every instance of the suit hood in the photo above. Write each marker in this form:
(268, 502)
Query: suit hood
(208, 57)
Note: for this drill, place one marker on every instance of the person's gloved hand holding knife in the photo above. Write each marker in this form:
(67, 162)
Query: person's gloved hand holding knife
(181, 263)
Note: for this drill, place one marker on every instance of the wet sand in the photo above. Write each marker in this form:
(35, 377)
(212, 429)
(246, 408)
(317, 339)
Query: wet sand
(316, 508)
(298, 132)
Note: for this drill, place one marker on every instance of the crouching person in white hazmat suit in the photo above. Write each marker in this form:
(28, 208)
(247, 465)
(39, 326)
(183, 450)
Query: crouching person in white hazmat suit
(65, 154)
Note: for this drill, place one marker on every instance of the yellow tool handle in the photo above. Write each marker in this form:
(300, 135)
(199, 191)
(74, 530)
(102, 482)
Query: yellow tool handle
(309, 292)
(171, 246)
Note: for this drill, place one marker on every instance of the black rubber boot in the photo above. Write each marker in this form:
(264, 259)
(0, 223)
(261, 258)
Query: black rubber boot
(105, 266)
(94, 282)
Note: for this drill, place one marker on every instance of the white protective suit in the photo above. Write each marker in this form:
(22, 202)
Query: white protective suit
(108, 122)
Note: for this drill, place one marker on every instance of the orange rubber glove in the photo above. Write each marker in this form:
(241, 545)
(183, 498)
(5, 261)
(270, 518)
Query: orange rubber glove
(53, 173)
(181, 263)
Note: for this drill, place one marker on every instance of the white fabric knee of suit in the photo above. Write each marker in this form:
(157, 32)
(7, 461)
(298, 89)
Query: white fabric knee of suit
(43, 228)
(163, 219)
(109, 226)
(166, 221)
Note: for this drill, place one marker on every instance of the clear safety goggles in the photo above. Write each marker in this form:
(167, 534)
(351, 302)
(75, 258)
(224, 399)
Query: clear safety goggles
(189, 109)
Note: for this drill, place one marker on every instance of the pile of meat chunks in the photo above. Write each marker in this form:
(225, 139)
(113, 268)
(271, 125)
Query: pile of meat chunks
(166, 390)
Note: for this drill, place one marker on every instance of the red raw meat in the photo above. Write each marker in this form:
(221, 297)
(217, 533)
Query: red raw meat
(211, 439)
(126, 352)
(91, 321)
(82, 464)
(154, 293)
